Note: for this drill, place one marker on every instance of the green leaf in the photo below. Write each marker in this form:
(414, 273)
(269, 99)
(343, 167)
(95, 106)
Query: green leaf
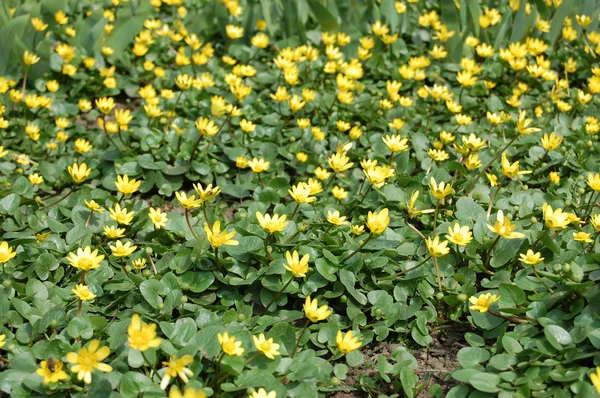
(557, 336)
(505, 251)
(511, 293)
(486, 382)
(10, 203)
(349, 280)
(323, 16)
(469, 357)
(468, 210)
(152, 290)
(558, 19)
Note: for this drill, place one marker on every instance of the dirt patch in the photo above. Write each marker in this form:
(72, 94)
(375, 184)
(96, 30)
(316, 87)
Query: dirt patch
(435, 363)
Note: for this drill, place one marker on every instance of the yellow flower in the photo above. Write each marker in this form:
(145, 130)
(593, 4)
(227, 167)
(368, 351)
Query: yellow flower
(105, 104)
(273, 223)
(395, 143)
(483, 302)
(551, 142)
(335, 218)
(30, 58)
(142, 336)
(504, 228)
(176, 367)
(82, 146)
(524, 124)
(88, 359)
(531, 258)
(412, 211)
(266, 346)
(158, 218)
(85, 259)
(52, 371)
(234, 32)
(322, 174)
(296, 265)
(188, 392)
(206, 127)
(593, 181)
(3, 152)
(595, 378)
(122, 250)
(313, 312)
(339, 162)
(437, 248)
(262, 393)
(346, 343)
(120, 215)
(473, 162)
(259, 165)
(582, 237)
(35, 179)
(459, 235)
(188, 202)
(555, 219)
(595, 220)
(184, 81)
(301, 193)
(378, 222)
(218, 238)
(113, 232)
(2, 340)
(79, 173)
(206, 194)
(241, 162)
(139, 263)
(339, 193)
(83, 293)
(511, 170)
(38, 24)
(6, 252)
(357, 229)
(127, 186)
(492, 179)
(554, 177)
(230, 346)
(440, 191)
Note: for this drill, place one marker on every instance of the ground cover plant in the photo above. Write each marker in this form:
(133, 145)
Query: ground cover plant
(305, 198)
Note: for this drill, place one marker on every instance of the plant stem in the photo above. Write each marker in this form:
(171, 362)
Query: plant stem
(437, 270)
(490, 163)
(409, 270)
(300, 338)
(435, 214)
(349, 256)
(123, 266)
(279, 293)
(61, 198)
(489, 253)
(541, 280)
(108, 135)
(294, 212)
(187, 219)
(89, 218)
(489, 210)
(262, 185)
(512, 318)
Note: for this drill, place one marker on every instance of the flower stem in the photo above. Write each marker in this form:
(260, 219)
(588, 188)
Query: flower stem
(435, 214)
(262, 185)
(294, 212)
(300, 338)
(512, 318)
(279, 293)
(541, 280)
(187, 219)
(490, 163)
(409, 270)
(61, 198)
(89, 218)
(123, 266)
(349, 256)
(489, 254)
(489, 210)
(437, 270)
